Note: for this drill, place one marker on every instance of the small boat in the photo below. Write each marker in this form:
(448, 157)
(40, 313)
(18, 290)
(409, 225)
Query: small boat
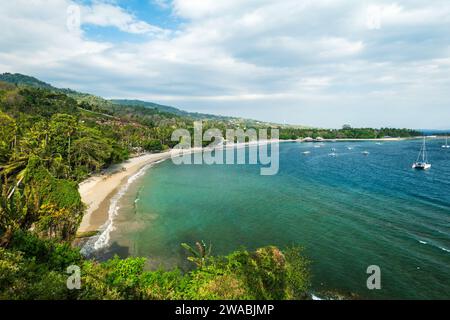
(307, 152)
(317, 146)
(350, 148)
(446, 146)
(422, 160)
(366, 153)
(333, 154)
(378, 143)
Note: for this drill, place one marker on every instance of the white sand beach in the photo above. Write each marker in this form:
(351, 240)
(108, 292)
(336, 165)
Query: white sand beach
(96, 191)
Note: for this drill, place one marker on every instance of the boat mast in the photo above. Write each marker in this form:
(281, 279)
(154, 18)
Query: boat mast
(424, 149)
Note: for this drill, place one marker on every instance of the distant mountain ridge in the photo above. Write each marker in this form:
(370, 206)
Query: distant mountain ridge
(24, 80)
(168, 109)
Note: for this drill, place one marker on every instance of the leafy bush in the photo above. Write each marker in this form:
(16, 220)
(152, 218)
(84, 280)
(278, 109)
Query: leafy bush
(32, 268)
(55, 255)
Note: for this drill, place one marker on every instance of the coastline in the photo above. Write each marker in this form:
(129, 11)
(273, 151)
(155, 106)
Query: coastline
(368, 139)
(98, 191)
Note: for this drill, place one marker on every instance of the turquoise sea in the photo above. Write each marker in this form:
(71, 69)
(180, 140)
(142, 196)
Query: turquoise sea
(348, 212)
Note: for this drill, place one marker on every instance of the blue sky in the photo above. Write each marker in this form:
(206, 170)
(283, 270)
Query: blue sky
(323, 62)
(157, 13)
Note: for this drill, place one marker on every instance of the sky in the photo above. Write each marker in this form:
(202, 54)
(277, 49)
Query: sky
(322, 63)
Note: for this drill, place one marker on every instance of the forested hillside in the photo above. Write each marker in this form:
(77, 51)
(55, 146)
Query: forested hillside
(118, 105)
(348, 132)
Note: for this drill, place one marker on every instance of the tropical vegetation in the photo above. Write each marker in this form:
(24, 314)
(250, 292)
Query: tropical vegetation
(33, 268)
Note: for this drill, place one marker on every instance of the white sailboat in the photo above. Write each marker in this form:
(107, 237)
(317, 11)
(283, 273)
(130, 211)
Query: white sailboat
(446, 146)
(422, 160)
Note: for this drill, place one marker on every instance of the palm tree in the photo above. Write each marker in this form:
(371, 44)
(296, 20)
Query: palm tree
(14, 171)
(13, 213)
(200, 254)
(91, 152)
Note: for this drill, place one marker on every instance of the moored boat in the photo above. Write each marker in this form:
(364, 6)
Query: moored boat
(422, 160)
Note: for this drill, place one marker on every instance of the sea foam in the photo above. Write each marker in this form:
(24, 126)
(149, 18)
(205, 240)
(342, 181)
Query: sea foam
(102, 240)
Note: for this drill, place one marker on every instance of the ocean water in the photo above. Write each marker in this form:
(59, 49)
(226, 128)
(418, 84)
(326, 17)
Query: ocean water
(347, 212)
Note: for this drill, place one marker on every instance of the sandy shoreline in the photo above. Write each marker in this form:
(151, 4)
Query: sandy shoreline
(96, 192)
(356, 140)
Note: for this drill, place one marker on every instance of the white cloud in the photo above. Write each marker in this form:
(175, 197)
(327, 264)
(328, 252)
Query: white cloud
(108, 15)
(164, 4)
(195, 9)
(395, 15)
(338, 47)
(41, 39)
(312, 62)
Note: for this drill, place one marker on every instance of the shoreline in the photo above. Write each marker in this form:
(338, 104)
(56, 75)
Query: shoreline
(97, 191)
(357, 139)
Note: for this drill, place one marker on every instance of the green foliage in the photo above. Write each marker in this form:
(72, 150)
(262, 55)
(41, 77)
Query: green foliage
(52, 206)
(55, 255)
(91, 151)
(13, 213)
(162, 285)
(8, 131)
(153, 145)
(38, 102)
(297, 273)
(125, 275)
(264, 274)
(23, 80)
(32, 268)
(198, 255)
(347, 132)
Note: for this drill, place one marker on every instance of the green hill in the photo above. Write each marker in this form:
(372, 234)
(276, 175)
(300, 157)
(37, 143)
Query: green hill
(136, 107)
(152, 105)
(23, 80)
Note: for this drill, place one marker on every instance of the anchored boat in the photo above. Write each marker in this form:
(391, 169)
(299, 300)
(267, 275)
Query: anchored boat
(446, 146)
(422, 160)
